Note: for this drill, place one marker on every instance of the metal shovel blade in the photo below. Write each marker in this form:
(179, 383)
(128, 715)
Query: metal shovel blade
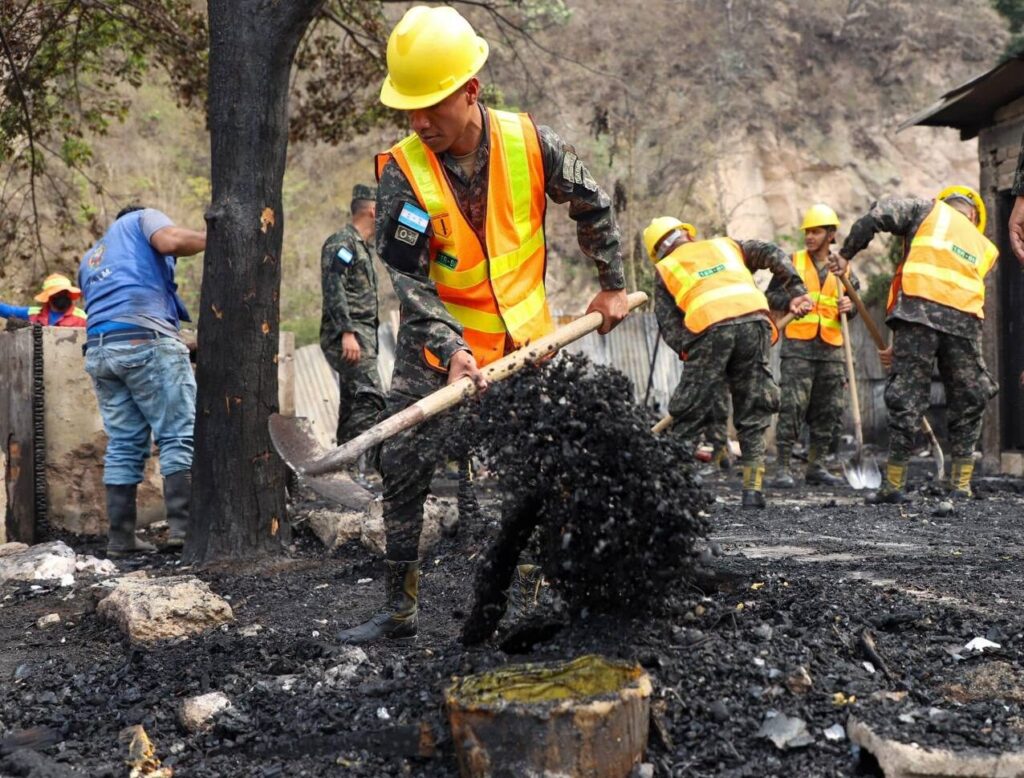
(293, 438)
(862, 473)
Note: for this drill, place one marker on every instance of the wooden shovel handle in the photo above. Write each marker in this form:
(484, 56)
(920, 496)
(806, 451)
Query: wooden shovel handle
(869, 322)
(851, 376)
(453, 394)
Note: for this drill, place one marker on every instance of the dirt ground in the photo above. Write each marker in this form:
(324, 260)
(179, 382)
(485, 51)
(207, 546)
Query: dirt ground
(802, 584)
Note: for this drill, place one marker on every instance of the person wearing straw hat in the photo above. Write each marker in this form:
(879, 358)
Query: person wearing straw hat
(56, 305)
(812, 376)
(935, 310)
(460, 226)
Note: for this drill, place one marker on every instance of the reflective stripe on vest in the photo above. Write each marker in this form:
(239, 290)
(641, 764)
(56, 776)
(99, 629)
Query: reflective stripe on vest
(824, 319)
(40, 314)
(711, 283)
(948, 262)
(496, 292)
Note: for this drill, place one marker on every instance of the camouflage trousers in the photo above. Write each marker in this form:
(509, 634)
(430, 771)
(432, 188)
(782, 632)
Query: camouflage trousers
(409, 459)
(813, 391)
(731, 358)
(716, 434)
(969, 387)
(361, 394)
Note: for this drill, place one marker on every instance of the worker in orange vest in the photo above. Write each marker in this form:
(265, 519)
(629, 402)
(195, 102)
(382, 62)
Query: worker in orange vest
(460, 226)
(724, 333)
(812, 375)
(56, 305)
(935, 309)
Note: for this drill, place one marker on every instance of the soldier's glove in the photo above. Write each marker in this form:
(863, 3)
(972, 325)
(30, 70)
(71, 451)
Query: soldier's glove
(408, 233)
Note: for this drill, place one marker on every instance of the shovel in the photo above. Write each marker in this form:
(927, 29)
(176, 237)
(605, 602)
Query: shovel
(295, 444)
(666, 421)
(861, 472)
(876, 336)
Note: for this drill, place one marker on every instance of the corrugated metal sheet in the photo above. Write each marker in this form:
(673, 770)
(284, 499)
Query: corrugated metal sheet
(316, 384)
(630, 348)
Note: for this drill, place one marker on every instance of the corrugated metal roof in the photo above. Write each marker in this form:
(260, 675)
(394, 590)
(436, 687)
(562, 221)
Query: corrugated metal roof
(970, 106)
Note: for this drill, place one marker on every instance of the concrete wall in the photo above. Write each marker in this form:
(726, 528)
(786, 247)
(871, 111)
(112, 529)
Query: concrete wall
(75, 440)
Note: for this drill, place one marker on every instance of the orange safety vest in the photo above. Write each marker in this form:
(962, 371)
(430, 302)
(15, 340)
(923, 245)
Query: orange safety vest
(824, 319)
(495, 291)
(73, 317)
(947, 263)
(711, 283)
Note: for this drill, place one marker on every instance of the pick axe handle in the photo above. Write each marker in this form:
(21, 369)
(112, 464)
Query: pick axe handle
(666, 421)
(876, 336)
(454, 393)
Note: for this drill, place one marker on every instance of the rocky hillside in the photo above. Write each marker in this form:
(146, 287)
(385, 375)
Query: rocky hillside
(734, 114)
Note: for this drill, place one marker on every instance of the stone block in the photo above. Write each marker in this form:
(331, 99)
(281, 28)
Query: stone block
(44, 562)
(909, 760)
(148, 610)
(1011, 463)
(197, 713)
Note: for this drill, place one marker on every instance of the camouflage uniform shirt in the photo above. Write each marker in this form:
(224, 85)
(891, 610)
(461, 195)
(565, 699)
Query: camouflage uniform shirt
(349, 289)
(425, 320)
(816, 349)
(758, 255)
(904, 217)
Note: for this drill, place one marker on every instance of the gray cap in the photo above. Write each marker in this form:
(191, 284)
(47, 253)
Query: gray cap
(364, 192)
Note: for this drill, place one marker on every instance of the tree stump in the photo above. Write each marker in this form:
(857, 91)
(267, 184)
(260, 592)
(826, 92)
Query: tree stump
(585, 717)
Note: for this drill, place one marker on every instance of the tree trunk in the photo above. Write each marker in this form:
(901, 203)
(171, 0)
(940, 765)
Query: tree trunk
(238, 498)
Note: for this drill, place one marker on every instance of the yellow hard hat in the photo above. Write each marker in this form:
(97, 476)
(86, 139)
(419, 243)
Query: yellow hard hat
(661, 226)
(431, 53)
(820, 215)
(57, 283)
(969, 194)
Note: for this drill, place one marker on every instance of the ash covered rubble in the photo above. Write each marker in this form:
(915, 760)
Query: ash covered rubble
(613, 512)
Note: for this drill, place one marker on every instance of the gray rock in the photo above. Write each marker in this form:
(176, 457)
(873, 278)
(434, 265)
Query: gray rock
(47, 621)
(785, 732)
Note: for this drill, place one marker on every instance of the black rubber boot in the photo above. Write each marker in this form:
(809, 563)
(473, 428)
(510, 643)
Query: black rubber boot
(817, 475)
(753, 499)
(398, 619)
(122, 515)
(893, 485)
(783, 478)
(177, 494)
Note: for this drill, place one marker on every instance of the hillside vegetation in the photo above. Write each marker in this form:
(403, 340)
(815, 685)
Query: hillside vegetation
(733, 114)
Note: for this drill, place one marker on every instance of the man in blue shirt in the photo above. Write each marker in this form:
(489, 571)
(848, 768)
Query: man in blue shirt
(140, 366)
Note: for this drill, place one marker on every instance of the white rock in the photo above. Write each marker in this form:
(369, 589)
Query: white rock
(198, 713)
(250, 630)
(43, 562)
(835, 733)
(382, 714)
(47, 621)
(67, 580)
(12, 548)
(94, 565)
(980, 644)
(153, 609)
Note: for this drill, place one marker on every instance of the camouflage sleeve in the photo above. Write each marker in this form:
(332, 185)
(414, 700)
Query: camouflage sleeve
(332, 282)
(1018, 178)
(897, 216)
(761, 255)
(567, 180)
(670, 318)
(423, 313)
(778, 296)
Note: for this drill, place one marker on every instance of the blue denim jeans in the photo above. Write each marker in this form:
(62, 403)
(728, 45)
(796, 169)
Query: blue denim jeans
(144, 390)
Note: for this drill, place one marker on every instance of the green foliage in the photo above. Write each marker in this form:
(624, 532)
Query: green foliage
(1013, 12)
(878, 289)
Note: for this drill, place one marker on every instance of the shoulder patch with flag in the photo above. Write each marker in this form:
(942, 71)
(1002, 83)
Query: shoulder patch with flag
(344, 256)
